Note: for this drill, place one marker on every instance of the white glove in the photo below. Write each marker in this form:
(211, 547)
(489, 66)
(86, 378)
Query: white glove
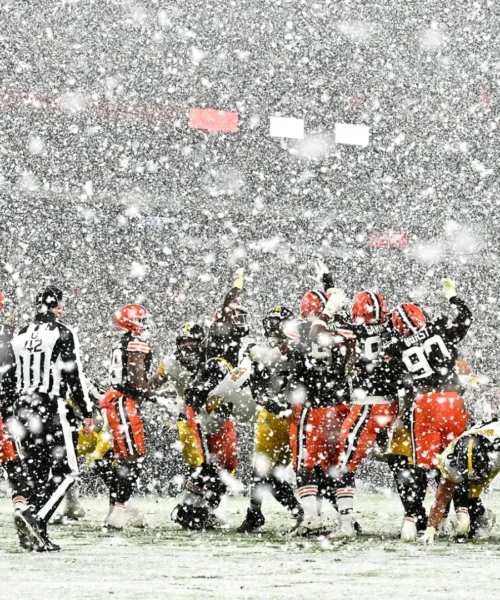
(449, 289)
(428, 538)
(335, 302)
(239, 278)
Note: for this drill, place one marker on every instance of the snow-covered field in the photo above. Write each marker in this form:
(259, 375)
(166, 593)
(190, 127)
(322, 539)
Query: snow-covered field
(165, 562)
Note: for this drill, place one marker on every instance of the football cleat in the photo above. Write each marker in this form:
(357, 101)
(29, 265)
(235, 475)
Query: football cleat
(446, 528)
(409, 529)
(309, 527)
(135, 518)
(28, 530)
(298, 515)
(346, 530)
(213, 521)
(484, 526)
(253, 522)
(117, 517)
(74, 511)
(463, 523)
(48, 544)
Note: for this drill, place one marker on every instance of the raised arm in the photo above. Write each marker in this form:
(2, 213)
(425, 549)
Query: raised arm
(459, 326)
(234, 293)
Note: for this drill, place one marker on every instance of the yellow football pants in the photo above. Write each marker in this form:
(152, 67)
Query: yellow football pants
(272, 441)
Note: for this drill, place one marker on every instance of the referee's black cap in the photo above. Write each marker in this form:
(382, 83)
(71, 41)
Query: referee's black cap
(51, 297)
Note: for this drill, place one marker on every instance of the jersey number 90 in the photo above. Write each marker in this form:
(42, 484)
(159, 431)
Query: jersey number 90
(417, 358)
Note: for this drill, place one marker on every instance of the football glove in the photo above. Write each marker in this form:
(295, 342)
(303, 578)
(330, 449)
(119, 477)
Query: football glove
(449, 289)
(336, 299)
(239, 279)
(428, 538)
(323, 275)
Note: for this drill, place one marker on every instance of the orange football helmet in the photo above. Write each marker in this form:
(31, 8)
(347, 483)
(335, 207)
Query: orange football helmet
(132, 317)
(368, 308)
(408, 319)
(313, 303)
(2, 299)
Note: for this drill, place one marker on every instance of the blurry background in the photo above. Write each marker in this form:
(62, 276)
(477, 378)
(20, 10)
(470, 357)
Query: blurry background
(106, 191)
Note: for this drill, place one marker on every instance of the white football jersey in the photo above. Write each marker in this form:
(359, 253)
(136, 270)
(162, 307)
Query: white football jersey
(180, 377)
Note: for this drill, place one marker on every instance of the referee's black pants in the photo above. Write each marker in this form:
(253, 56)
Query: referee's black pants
(48, 433)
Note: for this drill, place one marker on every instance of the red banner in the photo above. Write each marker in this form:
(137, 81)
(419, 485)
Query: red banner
(387, 239)
(209, 119)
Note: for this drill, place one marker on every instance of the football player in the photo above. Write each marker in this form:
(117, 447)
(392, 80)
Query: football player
(130, 366)
(425, 353)
(48, 368)
(272, 452)
(180, 369)
(474, 458)
(374, 396)
(411, 480)
(320, 394)
(216, 450)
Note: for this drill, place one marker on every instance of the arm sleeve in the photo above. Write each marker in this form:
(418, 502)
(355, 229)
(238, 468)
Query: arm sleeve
(327, 281)
(463, 320)
(73, 373)
(231, 297)
(95, 391)
(8, 382)
(330, 337)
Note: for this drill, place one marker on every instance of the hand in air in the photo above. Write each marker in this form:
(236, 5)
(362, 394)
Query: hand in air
(239, 278)
(449, 289)
(336, 300)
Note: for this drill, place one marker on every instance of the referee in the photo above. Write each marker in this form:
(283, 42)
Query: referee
(48, 371)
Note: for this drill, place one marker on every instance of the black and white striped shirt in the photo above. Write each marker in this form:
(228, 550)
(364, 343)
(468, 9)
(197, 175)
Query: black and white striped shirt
(47, 355)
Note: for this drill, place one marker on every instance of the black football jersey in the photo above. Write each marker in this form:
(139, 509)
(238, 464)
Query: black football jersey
(426, 360)
(317, 369)
(119, 371)
(372, 374)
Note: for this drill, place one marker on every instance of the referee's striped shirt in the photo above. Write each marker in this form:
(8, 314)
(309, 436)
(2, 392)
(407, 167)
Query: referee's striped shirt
(47, 356)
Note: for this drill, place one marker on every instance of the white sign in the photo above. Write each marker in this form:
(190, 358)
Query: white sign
(286, 127)
(354, 135)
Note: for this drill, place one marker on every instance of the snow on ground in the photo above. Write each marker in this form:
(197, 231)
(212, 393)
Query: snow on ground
(165, 562)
